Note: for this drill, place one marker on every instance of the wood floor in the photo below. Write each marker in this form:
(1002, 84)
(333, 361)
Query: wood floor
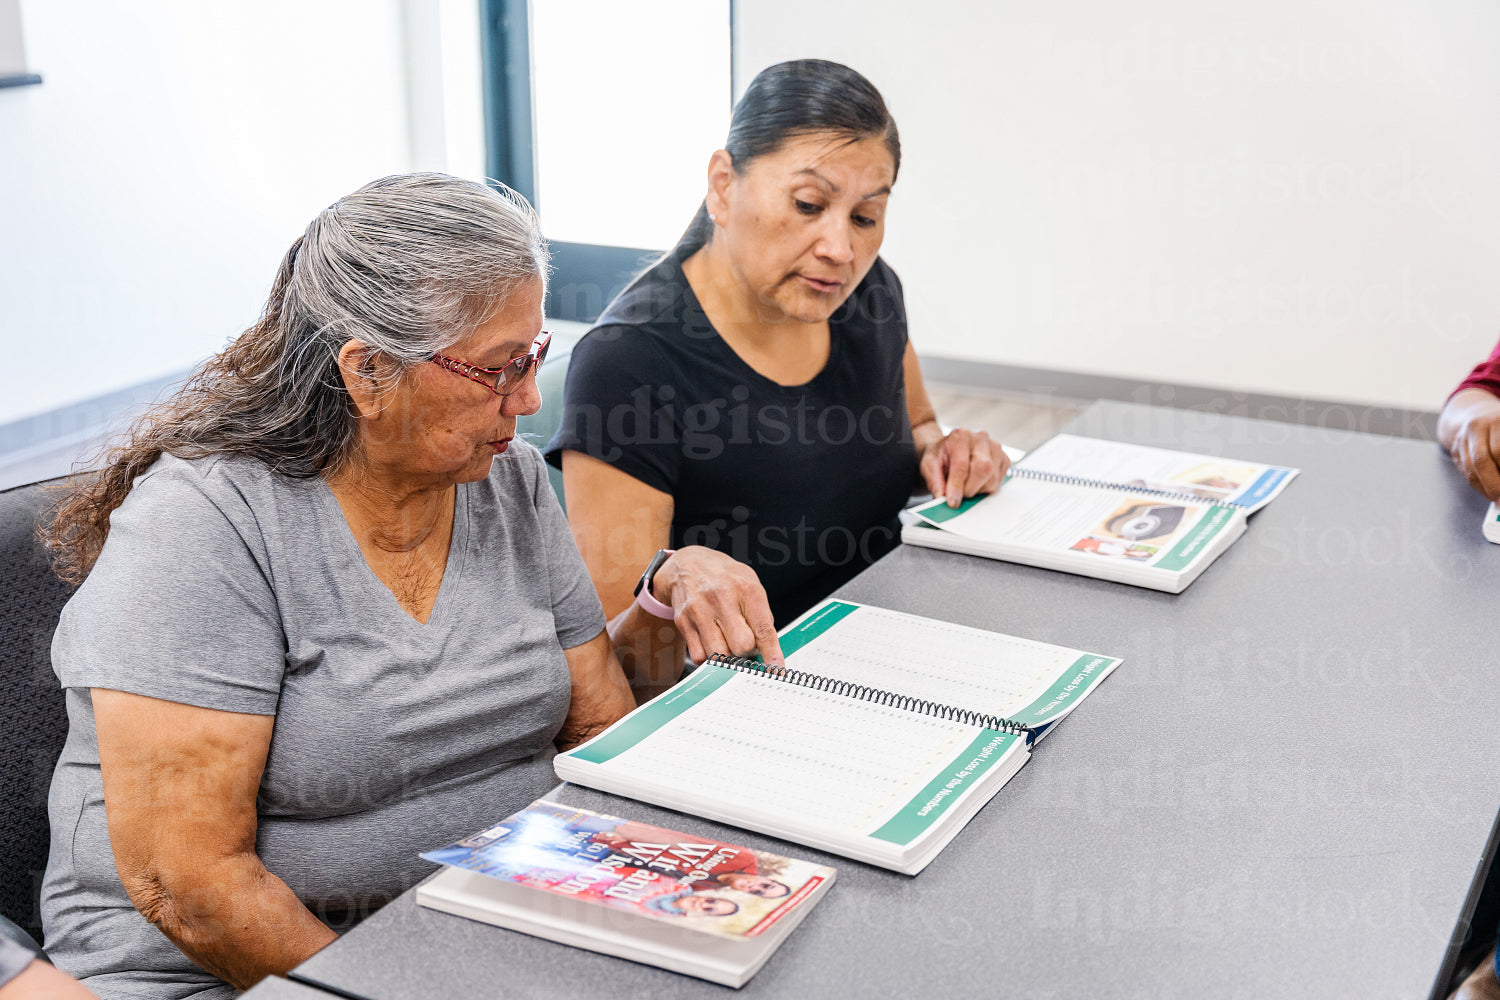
(1019, 421)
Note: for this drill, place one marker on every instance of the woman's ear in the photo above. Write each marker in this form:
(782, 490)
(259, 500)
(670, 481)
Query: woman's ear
(358, 367)
(720, 178)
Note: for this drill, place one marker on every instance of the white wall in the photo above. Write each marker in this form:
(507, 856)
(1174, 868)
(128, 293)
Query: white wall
(444, 88)
(150, 186)
(1298, 197)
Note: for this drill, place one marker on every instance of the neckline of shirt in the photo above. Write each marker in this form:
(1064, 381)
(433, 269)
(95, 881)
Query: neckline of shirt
(727, 353)
(458, 548)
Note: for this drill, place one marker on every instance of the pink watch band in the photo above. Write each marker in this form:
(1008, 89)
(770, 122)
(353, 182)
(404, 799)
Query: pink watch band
(650, 604)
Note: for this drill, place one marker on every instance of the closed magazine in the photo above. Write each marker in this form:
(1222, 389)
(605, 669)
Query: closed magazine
(879, 739)
(682, 901)
(1150, 517)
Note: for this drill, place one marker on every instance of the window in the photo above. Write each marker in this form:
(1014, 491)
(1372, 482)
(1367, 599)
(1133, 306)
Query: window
(604, 115)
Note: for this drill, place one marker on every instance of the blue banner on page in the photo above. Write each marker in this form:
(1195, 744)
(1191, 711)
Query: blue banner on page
(1262, 487)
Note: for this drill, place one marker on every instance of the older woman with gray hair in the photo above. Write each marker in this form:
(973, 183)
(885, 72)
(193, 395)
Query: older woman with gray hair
(330, 614)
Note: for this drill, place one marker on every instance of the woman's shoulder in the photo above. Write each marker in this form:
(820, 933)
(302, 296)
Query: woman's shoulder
(882, 280)
(186, 485)
(515, 477)
(882, 274)
(217, 509)
(614, 357)
(652, 297)
(216, 489)
(186, 561)
(656, 316)
(877, 303)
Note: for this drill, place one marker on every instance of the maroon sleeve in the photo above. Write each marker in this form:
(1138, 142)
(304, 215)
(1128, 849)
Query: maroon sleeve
(1486, 375)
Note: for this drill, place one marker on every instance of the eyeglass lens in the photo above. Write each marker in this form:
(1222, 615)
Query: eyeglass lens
(514, 373)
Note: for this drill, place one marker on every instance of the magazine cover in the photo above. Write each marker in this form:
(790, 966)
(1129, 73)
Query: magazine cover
(689, 881)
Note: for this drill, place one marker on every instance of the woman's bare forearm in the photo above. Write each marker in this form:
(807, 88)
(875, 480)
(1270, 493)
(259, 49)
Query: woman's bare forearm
(601, 695)
(180, 785)
(650, 649)
(232, 917)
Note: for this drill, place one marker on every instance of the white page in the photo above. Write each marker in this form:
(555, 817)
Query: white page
(823, 759)
(1126, 527)
(1226, 480)
(950, 664)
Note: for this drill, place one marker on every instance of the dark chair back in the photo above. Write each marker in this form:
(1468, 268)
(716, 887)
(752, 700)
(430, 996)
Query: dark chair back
(33, 718)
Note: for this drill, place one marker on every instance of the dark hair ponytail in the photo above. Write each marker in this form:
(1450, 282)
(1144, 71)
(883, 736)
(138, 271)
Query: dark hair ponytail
(796, 98)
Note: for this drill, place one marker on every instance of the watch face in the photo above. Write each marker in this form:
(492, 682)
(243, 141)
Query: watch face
(651, 567)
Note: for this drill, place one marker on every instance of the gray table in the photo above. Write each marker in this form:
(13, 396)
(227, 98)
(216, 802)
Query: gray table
(276, 988)
(1285, 791)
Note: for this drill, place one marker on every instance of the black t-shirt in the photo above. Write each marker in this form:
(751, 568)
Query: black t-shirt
(802, 483)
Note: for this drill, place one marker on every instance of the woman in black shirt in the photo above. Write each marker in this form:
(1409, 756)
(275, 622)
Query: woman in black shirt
(751, 405)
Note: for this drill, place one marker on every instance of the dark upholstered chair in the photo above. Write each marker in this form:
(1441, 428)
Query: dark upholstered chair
(33, 720)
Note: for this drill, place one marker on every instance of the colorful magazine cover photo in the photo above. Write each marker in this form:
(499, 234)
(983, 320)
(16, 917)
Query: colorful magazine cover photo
(700, 883)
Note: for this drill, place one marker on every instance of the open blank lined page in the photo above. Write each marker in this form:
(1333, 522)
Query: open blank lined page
(966, 668)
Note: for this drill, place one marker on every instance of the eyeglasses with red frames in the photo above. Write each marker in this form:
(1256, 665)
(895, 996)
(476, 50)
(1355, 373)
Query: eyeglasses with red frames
(508, 377)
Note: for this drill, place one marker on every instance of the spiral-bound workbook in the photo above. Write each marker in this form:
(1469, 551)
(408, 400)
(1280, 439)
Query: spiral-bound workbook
(882, 735)
(1151, 517)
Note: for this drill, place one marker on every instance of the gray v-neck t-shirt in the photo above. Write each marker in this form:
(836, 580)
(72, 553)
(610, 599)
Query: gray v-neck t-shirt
(226, 586)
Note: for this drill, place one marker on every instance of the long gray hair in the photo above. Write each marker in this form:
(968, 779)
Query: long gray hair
(409, 264)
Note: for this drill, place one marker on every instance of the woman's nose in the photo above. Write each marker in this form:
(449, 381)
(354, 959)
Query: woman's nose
(835, 244)
(526, 400)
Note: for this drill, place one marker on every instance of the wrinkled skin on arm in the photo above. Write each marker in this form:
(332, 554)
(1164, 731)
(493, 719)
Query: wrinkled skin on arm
(180, 784)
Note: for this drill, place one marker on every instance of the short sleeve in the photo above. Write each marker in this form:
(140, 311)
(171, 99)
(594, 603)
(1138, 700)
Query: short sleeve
(1486, 375)
(179, 605)
(617, 406)
(575, 603)
(14, 958)
(879, 305)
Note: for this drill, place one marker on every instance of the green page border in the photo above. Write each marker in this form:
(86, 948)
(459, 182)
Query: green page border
(654, 714)
(1193, 544)
(939, 511)
(1067, 689)
(917, 816)
(697, 686)
(820, 621)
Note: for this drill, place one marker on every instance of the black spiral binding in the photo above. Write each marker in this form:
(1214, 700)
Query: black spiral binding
(861, 692)
(1104, 484)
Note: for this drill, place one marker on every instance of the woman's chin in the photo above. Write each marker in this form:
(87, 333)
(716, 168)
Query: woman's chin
(809, 307)
(477, 467)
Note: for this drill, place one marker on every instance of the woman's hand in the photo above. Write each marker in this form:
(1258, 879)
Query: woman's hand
(1469, 428)
(718, 604)
(960, 464)
(40, 981)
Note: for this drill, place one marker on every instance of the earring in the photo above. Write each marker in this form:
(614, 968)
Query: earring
(713, 218)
